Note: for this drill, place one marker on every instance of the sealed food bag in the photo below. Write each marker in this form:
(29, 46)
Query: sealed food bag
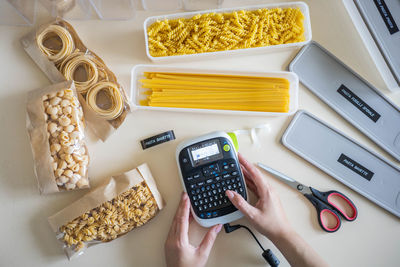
(56, 130)
(59, 52)
(122, 204)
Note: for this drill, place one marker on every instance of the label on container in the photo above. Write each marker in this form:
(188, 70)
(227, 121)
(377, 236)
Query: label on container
(358, 103)
(355, 167)
(386, 16)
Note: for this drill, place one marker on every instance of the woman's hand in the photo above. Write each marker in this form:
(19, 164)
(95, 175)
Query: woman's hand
(267, 216)
(178, 251)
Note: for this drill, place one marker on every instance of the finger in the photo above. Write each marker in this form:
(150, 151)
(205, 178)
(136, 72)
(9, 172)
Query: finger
(246, 173)
(248, 180)
(190, 217)
(252, 187)
(209, 239)
(241, 204)
(255, 174)
(182, 219)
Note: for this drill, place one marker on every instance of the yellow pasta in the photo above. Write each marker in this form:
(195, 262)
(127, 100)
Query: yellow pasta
(113, 218)
(213, 32)
(215, 91)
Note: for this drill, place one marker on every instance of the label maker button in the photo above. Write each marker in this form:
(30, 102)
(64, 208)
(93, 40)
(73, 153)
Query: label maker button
(227, 147)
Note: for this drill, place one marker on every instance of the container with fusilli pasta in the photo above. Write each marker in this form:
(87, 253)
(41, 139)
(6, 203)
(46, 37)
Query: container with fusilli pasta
(125, 202)
(228, 31)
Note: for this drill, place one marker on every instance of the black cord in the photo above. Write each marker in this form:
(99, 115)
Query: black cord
(268, 255)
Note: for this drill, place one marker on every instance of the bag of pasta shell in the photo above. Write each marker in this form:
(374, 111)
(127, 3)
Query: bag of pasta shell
(122, 204)
(59, 52)
(56, 130)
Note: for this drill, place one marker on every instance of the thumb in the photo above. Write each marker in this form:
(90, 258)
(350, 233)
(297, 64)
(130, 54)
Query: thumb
(241, 204)
(209, 239)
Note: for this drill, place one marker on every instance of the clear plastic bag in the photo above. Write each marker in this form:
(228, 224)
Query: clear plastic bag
(123, 203)
(56, 129)
(58, 51)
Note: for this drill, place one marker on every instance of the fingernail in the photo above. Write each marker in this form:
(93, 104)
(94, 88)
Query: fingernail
(184, 195)
(229, 193)
(218, 228)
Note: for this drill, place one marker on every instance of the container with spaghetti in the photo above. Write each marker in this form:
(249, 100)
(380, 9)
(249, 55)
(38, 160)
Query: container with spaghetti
(57, 49)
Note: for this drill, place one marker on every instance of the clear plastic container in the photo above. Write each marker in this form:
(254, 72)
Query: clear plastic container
(201, 4)
(69, 9)
(138, 70)
(114, 9)
(247, 51)
(162, 5)
(17, 12)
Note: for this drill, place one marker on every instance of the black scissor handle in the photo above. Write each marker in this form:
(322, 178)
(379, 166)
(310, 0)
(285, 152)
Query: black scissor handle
(326, 197)
(322, 209)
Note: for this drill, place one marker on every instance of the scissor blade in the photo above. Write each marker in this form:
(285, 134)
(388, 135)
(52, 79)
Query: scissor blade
(286, 179)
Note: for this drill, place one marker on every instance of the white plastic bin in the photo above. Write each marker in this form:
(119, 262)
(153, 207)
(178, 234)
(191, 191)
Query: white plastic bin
(248, 51)
(17, 12)
(68, 9)
(114, 9)
(201, 4)
(161, 5)
(138, 70)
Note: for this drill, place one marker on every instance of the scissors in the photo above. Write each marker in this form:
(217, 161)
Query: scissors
(320, 200)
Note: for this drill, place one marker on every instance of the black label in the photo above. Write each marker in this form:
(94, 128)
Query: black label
(158, 139)
(386, 16)
(359, 103)
(355, 167)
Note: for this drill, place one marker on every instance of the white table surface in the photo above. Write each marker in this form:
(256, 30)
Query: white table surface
(26, 238)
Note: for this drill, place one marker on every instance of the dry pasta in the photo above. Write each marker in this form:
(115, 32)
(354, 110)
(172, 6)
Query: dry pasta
(213, 91)
(213, 32)
(64, 119)
(70, 65)
(67, 43)
(123, 203)
(113, 218)
(60, 45)
(111, 90)
(56, 129)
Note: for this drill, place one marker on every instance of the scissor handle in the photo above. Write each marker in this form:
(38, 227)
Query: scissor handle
(326, 197)
(323, 208)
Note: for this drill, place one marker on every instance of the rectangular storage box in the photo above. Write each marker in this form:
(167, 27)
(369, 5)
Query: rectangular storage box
(247, 51)
(372, 44)
(17, 12)
(138, 70)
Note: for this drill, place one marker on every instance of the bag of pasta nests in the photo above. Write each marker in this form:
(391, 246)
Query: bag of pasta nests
(123, 203)
(56, 130)
(59, 52)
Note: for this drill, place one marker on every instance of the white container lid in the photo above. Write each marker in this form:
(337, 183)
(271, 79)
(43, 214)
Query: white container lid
(17, 12)
(162, 5)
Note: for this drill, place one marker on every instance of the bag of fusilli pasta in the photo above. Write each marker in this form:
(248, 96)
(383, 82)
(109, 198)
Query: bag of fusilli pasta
(122, 204)
(59, 52)
(56, 130)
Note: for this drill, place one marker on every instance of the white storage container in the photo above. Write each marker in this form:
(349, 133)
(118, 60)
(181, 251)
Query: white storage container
(138, 71)
(17, 12)
(247, 51)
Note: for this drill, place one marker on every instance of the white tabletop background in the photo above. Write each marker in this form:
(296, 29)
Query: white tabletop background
(26, 238)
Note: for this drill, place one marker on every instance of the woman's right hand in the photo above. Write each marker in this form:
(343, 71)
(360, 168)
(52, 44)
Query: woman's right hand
(267, 216)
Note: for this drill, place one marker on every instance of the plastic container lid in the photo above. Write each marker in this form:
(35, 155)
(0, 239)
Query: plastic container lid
(114, 9)
(17, 12)
(162, 5)
(201, 4)
(69, 9)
